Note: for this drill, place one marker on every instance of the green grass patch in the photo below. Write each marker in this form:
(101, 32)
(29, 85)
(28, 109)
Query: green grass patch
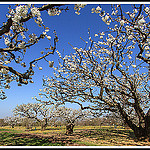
(5, 130)
(11, 139)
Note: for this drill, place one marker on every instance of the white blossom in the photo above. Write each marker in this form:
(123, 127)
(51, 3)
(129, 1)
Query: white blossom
(40, 68)
(122, 22)
(98, 8)
(141, 21)
(7, 41)
(134, 66)
(105, 18)
(22, 10)
(147, 48)
(129, 56)
(21, 45)
(48, 37)
(146, 9)
(130, 37)
(147, 55)
(96, 35)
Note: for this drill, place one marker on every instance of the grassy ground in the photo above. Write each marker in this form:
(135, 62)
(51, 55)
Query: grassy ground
(82, 136)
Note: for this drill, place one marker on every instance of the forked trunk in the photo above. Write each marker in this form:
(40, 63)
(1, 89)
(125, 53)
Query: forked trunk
(69, 128)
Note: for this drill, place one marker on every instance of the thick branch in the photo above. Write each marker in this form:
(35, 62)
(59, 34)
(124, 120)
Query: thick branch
(6, 27)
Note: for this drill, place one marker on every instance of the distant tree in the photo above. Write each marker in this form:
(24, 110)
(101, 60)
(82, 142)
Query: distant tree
(111, 72)
(2, 122)
(70, 116)
(28, 122)
(12, 121)
(36, 111)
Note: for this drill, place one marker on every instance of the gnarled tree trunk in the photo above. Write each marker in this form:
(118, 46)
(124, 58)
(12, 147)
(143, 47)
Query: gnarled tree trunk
(69, 128)
(140, 132)
(147, 123)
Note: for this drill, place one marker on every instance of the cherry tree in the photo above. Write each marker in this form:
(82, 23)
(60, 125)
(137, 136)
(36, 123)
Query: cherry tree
(36, 111)
(18, 39)
(69, 116)
(28, 122)
(111, 72)
(12, 120)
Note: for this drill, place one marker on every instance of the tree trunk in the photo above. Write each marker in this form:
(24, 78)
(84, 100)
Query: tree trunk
(44, 124)
(69, 128)
(147, 123)
(141, 132)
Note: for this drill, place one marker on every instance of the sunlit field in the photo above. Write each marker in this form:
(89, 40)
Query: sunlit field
(82, 136)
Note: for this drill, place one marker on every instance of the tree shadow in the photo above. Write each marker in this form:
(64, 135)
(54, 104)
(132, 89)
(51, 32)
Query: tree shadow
(43, 140)
(103, 134)
(33, 140)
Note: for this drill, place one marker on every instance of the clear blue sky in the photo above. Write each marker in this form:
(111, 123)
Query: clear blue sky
(69, 27)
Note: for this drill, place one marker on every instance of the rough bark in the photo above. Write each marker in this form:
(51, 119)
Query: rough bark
(141, 132)
(147, 123)
(69, 128)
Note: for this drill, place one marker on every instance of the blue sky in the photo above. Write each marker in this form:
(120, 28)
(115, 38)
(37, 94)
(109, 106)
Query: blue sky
(69, 27)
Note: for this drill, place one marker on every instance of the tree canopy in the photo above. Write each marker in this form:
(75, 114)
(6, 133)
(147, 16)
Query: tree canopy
(111, 71)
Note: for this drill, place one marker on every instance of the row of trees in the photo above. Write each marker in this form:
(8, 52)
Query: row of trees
(38, 114)
(110, 73)
(35, 114)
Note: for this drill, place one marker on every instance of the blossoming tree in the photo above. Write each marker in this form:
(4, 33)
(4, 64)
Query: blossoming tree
(18, 40)
(69, 116)
(35, 111)
(14, 32)
(110, 74)
(27, 122)
(12, 120)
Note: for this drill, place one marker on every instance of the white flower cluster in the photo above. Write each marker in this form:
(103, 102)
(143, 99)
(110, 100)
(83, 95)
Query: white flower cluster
(20, 12)
(21, 45)
(36, 13)
(33, 38)
(105, 17)
(122, 22)
(147, 54)
(97, 10)
(147, 10)
(141, 21)
(78, 7)
(7, 41)
(45, 33)
(54, 12)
